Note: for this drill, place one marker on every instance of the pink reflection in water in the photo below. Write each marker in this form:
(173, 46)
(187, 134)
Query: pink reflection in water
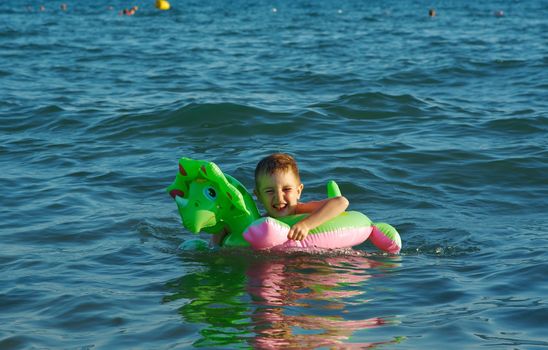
(275, 286)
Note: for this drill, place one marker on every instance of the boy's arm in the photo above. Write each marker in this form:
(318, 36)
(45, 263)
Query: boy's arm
(320, 212)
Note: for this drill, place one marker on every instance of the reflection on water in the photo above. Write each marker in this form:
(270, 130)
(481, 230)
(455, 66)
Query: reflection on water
(291, 301)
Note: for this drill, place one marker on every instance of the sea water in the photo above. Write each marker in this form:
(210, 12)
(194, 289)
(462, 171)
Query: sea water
(437, 125)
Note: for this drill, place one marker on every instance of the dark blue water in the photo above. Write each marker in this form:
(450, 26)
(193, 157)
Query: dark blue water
(435, 125)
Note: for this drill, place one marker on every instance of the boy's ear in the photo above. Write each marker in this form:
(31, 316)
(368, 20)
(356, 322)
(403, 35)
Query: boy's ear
(255, 192)
(300, 190)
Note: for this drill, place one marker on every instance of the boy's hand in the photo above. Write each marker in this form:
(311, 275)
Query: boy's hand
(298, 232)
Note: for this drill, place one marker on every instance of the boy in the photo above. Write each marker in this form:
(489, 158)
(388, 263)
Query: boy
(278, 187)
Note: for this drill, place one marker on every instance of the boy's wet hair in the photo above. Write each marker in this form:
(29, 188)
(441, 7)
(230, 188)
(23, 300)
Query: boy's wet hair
(277, 162)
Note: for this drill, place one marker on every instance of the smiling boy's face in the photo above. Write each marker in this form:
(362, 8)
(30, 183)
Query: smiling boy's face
(279, 192)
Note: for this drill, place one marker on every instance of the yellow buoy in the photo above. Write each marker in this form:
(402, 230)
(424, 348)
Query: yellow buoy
(162, 5)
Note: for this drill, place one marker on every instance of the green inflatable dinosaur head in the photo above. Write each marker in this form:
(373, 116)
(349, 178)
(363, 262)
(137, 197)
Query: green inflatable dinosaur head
(211, 201)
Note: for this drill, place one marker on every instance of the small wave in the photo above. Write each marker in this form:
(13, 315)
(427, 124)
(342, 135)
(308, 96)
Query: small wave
(509, 63)
(194, 120)
(11, 33)
(462, 70)
(247, 253)
(439, 250)
(203, 114)
(51, 109)
(416, 77)
(374, 105)
(519, 125)
(317, 79)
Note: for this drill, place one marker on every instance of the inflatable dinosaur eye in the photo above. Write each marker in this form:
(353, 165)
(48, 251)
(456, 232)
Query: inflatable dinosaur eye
(210, 193)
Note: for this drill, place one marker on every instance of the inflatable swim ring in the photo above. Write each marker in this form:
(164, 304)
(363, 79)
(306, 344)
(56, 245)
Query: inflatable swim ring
(213, 202)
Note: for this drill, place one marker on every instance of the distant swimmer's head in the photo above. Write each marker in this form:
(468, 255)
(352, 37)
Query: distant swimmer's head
(432, 13)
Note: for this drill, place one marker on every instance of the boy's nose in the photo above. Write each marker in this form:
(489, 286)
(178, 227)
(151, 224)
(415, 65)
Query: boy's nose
(278, 195)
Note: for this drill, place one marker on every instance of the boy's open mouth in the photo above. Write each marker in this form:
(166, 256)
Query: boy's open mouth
(279, 207)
